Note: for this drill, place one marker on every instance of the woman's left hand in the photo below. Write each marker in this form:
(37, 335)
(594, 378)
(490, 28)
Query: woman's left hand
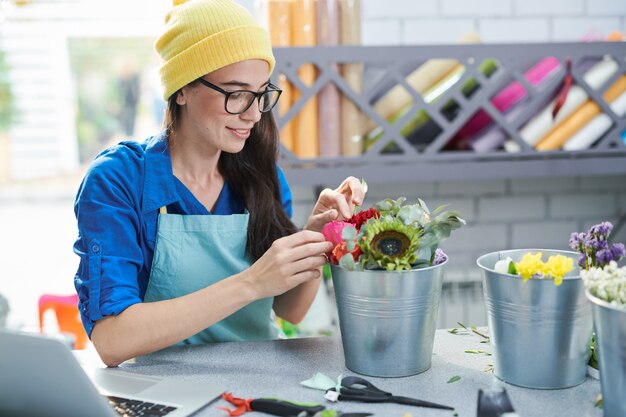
(337, 204)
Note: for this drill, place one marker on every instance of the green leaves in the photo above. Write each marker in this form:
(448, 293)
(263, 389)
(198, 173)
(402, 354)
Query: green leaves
(599, 402)
(348, 234)
(347, 262)
(454, 379)
(477, 352)
(512, 270)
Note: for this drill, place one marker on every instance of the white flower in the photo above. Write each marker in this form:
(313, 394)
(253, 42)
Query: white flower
(502, 266)
(607, 283)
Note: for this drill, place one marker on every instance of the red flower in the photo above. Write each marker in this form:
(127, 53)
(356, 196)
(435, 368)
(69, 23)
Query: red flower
(340, 250)
(363, 216)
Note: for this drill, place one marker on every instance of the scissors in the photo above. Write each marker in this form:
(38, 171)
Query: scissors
(354, 388)
(280, 407)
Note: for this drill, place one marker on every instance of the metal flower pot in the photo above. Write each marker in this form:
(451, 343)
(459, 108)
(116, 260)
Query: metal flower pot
(539, 333)
(610, 324)
(388, 319)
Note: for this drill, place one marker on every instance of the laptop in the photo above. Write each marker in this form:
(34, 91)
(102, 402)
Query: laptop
(40, 377)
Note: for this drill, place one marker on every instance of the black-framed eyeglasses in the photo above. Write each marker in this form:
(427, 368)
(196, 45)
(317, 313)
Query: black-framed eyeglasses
(239, 101)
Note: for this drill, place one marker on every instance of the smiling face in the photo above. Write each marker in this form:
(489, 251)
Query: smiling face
(203, 118)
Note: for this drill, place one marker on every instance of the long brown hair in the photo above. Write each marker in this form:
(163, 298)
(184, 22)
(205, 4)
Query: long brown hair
(253, 177)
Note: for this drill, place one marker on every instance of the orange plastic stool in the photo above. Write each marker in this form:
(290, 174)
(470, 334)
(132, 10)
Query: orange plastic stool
(66, 311)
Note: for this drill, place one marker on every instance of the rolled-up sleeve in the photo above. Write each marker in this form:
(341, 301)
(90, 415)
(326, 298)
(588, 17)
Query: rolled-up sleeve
(108, 212)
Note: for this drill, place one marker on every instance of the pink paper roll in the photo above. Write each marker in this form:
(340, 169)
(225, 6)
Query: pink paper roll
(509, 96)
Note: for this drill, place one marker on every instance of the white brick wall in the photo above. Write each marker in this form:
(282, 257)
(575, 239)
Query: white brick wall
(394, 22)
(478, 8)
(436, 31)
(606, 7)
(376, 9)
(565, 29)
(549, 8)
(382, 32)
(514, 30)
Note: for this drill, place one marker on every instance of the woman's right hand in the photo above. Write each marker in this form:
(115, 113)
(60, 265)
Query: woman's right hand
(290, 261)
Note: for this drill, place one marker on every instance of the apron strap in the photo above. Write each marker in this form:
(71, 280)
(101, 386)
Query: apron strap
(163, 210)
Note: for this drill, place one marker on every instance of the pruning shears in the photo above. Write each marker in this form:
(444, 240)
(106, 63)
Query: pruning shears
(285, 408)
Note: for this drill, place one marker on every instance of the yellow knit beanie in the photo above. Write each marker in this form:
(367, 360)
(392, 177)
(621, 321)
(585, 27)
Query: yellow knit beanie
(202, 36)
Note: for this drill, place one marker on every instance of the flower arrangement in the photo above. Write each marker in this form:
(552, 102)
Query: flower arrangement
(601, 274)
(391, 236)
(532, 266)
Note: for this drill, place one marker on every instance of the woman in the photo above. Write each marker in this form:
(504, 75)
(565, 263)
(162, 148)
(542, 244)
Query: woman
(186, 237)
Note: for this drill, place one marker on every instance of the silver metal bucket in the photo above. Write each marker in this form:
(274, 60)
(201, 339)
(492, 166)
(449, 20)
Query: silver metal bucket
(539, 333)
(610, 325)
(388, 319)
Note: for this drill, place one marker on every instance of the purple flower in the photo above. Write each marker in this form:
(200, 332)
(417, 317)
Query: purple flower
(618, 251)
(576, 241)
(603, 257)
(440, 257)
(601, 230)
(596, 245)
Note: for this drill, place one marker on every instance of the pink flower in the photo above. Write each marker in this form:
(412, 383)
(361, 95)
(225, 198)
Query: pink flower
(332, 231)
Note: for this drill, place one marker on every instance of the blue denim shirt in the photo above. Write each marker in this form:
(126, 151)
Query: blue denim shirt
(117, 208)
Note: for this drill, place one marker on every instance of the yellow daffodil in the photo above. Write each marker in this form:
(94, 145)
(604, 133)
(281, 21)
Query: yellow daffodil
(557, 266)
(529, 265)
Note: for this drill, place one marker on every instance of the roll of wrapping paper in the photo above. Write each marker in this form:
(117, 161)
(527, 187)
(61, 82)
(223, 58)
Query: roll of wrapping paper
(580, 118)
(597, 127)
(423, 78)
(505, 100)
(351, 117)
(494, 136)
(275, 15)
(430, 96)
(412, 130)
(543, 123)
(304, 33)
(328, 99)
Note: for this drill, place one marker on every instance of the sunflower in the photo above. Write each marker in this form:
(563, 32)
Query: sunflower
(389, 244)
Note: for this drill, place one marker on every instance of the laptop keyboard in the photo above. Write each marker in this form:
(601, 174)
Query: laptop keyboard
(135, 408)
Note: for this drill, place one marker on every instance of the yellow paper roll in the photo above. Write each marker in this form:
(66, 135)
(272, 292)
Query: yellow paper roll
(275, 15)
(351, 117)
(571, 125)
(305, 124)
(615, 90)
(329, 100)
(423, 78)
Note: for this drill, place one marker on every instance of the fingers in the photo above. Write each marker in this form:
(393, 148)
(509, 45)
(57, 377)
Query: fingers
(317, 222)
(339, 201)
(301, 245)
(353, 190)
(308, 275)
(344, 198)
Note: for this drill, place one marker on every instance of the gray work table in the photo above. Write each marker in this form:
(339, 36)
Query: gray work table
(276, 368)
